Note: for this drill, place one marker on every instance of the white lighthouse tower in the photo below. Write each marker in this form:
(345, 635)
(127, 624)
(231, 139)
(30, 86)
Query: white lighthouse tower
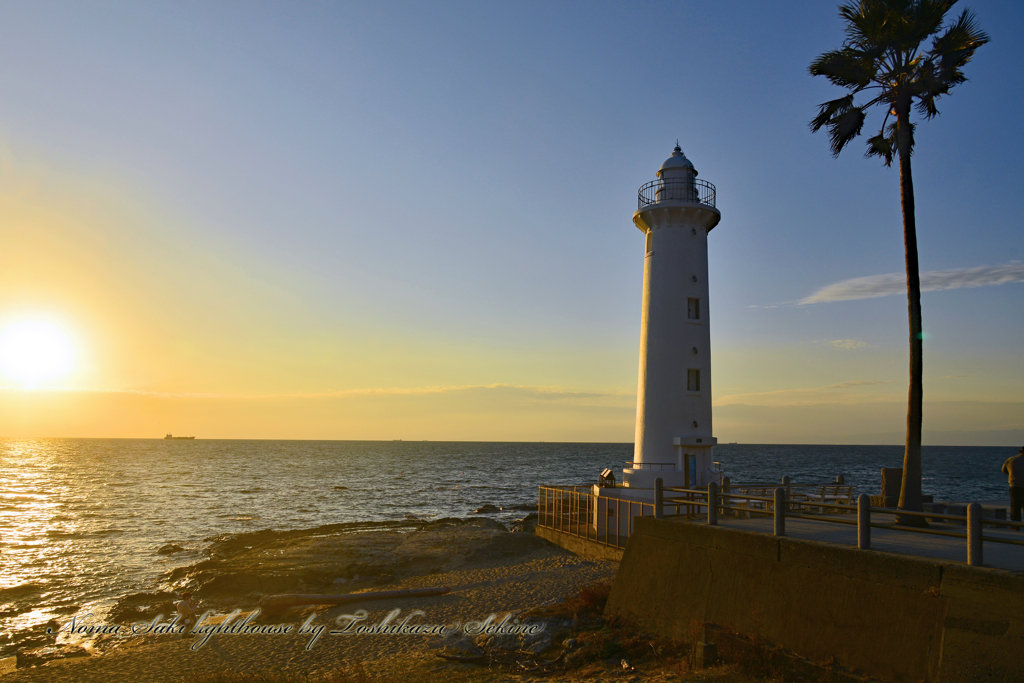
(674, 438)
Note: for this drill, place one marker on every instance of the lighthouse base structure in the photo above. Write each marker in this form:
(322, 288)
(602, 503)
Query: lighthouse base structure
(694, 467)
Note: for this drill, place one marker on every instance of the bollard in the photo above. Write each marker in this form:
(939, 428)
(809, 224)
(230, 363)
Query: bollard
(659, 505)
(712, 504)
(780, 511)
(786, 482)
(864, 521)
(840, 479)
(974, 552)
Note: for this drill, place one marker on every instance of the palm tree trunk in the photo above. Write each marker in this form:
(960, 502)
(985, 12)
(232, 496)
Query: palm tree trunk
(910, 491)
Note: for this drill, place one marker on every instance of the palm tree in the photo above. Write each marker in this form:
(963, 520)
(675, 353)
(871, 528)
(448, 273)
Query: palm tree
(883, 59)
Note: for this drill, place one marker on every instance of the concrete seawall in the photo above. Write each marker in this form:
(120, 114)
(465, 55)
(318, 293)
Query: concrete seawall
(895, 617)
(580, 546)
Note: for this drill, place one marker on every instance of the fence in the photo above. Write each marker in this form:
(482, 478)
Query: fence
(574, 510)
(609, 521)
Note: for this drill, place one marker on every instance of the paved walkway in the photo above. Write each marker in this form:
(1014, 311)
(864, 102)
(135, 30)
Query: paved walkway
(943, 548)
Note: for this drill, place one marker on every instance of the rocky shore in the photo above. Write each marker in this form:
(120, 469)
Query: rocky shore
(495, 577)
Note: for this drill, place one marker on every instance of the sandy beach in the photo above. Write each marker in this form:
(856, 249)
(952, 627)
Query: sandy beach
(489, 570)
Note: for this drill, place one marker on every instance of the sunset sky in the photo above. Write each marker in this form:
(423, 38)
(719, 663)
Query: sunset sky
(413, 221)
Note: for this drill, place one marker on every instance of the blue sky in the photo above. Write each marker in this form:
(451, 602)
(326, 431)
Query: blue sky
(391, 196)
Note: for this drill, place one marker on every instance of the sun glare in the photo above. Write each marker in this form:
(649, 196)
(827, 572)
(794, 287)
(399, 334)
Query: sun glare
(34, 351)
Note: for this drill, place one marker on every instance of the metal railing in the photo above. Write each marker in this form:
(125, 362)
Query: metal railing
(651, 465)
(682, 190)
(781, 506)
(574, 510)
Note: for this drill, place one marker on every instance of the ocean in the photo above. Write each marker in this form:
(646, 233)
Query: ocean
(82, 520)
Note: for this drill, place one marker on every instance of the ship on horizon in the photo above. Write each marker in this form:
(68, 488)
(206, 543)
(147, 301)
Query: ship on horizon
(169, 436)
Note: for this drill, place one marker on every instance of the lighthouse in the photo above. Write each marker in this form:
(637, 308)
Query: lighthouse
(674, 435)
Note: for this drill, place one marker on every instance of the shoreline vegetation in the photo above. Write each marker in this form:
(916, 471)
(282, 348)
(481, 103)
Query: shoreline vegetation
(503, 585)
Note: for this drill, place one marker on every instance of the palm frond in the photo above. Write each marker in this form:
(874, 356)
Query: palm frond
(928, 87)
(843, 127)
(886, 143)
(828, 111)
(846, 67)
(882, 145)
(956, 46)
(924, 19)
(843, 120)
(884, 51)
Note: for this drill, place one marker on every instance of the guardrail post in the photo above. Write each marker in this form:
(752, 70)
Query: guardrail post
(658, 499)
(780, 510)
(863, 521)
(974, 552)
(840, 479)
(712, 504)
(726, 484)
(786, 482)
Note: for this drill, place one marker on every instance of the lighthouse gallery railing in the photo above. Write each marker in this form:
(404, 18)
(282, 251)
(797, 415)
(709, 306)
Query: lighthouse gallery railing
(684, 190)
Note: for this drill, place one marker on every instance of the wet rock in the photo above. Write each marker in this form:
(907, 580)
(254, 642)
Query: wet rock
(486, 508)
(21, 592)
(143, 607)
(527, 524)
(28, 658)
(169, 549)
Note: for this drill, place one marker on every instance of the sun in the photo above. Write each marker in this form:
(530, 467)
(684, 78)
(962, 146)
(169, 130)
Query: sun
(34, 351)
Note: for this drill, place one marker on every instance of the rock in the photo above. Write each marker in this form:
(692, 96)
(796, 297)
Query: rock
(27, 658)
(575, 658)
(169, 549)
(538, 643)
(527, 524)
(569, 643)
(626, 666)
(485, 509)
(499, 641)
(487, 523)
(142, 607)
(460, 644)
(504, 546)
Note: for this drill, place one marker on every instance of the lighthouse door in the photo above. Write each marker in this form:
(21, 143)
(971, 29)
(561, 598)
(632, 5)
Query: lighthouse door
(689, 470)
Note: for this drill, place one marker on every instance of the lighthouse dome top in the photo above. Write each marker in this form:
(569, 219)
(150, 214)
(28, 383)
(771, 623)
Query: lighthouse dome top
(677, 161)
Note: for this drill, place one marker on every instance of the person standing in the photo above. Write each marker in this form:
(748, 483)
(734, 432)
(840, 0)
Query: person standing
(1014, 467)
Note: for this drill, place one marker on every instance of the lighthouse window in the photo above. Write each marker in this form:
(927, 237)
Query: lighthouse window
(693, 380)
(693, 308)
(650, 236)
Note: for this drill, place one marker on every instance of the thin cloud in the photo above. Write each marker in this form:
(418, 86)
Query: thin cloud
(848, 344)
(857, 383)
(896, 283)
(811, 396)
